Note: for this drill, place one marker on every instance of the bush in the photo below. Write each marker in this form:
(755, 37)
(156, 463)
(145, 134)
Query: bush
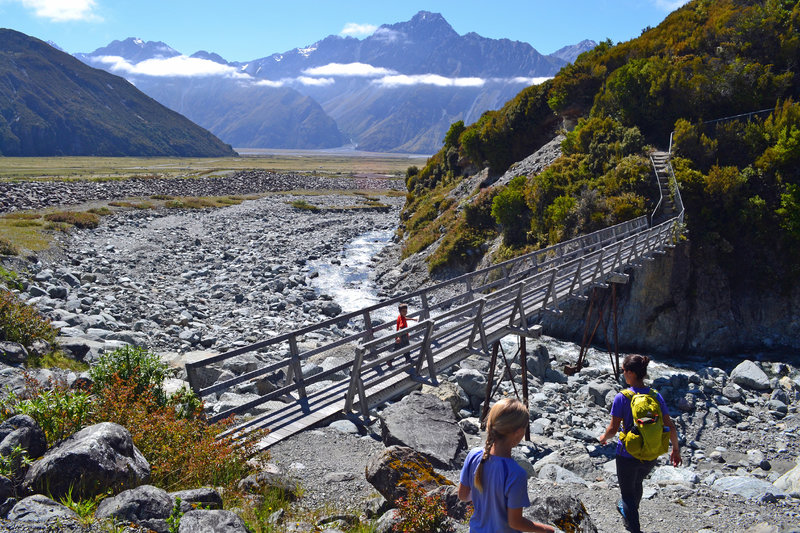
(143, 369)
(302, 204)
(22, 323)
(7, 247)
(59, 410)
(79, 219)
(183, 453)
(422, 514)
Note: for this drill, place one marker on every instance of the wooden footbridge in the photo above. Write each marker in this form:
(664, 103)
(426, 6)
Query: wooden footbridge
(481, 308)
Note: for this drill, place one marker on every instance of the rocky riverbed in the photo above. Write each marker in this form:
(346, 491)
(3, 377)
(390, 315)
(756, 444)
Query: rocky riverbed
(181, 281)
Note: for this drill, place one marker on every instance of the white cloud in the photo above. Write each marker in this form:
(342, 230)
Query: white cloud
(403, 80)
(63, 10)
(387, 35)
(348, 69)
(182, 66)
(526, 81)
(669, 5)
(269, 83)
(315, 82)
(354, 29)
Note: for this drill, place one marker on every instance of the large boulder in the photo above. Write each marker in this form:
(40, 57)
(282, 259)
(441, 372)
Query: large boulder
(212, 522)
(40, 510)
(790, 481)
(538, 361)
(749, 375)
(88, 463)
(145, 506)
(426, 424)
(392, 471)
(564, 511)
(747, 487)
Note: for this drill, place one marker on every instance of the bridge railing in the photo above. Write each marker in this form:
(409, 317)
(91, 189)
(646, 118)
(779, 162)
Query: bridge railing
(287, 371)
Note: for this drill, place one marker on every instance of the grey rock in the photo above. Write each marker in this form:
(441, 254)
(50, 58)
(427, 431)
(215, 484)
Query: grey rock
(391, 470)
(426, 424)
(667, 475)
(12, 353)
(472, 381)
(40, 510)
(538, 361)
(560, 475)
(565, 510)
(90, 462)
(750, 376)
(145, 505)
(217, 521)
(747, 487)
(22, 431)
(205, 498)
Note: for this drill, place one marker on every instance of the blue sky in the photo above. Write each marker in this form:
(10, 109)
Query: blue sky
(241, 30)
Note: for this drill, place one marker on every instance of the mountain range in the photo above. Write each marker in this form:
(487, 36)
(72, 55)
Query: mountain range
(52, 104)
(397, 90)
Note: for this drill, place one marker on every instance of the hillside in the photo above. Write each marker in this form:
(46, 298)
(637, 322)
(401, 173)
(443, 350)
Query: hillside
(51, 104)
(739, 178)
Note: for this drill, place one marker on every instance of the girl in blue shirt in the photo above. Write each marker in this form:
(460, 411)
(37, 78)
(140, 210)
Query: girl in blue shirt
(493, 481)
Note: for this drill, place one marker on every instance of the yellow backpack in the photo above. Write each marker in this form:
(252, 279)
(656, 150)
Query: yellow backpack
(648, 437)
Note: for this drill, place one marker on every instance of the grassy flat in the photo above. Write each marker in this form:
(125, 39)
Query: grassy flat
(102, 168)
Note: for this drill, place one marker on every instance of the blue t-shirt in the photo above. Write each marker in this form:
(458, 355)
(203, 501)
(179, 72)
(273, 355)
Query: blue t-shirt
(622, 408)
(505, 486)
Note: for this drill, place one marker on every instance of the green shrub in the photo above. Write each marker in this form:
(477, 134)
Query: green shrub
(101, 211)
(511, 212)
(422, 514)
(142, 368)
(22, 323)
(302, 204)
(79, 219)
(7, 247)
(183, 452)
(59, 410)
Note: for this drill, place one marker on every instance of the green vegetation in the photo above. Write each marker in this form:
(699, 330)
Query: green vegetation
(302, 204)
(64, 107)
(705, 61)
(22, 323)
(422, 514)
(79, 219)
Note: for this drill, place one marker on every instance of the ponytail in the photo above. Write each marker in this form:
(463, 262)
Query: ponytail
(505, 417)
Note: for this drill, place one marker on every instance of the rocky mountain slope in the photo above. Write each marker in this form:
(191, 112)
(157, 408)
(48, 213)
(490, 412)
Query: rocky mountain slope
(52, 104)
(397, 90)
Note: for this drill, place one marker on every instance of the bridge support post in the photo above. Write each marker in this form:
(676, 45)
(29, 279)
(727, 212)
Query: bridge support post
(523, 361)
(489, 383)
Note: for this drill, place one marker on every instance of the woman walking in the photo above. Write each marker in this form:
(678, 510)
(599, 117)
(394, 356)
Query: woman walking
(493, 481)
(630, 470)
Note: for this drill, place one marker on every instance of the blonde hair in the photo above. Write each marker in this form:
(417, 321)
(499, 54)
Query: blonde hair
(505, 417)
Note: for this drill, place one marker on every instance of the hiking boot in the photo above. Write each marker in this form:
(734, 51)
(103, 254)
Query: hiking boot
(621, 510)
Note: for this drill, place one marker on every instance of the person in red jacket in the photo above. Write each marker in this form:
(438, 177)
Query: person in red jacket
(401, 340)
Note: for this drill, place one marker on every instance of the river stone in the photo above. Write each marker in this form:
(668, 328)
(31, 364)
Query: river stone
(39, 509)
(218, 521)
(12, 353)
(205, 497)
(747, 487)
(790, 481)
(88, 463)
(538, 361)
(749, 375)
(393, 470)
(146, 505)
(560, 475)
(472, 381)
(668, 475)
(23, 431)
(565, 510)
(426, 424)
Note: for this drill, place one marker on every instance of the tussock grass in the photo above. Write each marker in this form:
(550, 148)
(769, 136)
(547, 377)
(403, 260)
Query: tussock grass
(79, 219)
